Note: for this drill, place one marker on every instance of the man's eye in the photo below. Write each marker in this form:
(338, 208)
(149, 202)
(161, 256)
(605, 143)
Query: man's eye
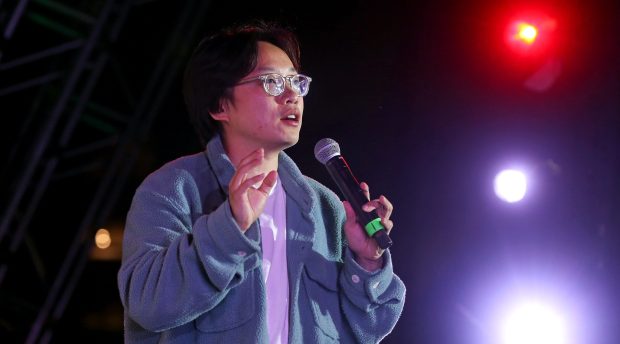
(273, 80)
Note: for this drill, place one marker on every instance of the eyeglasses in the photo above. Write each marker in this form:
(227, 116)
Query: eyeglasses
(274, 84)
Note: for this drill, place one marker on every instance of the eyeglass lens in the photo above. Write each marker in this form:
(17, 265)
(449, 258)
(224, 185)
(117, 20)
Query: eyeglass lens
(275, 84)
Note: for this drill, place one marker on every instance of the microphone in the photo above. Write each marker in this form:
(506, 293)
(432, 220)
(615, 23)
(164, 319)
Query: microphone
(327, 151)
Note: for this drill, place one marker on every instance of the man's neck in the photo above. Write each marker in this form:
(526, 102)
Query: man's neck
(238, 150)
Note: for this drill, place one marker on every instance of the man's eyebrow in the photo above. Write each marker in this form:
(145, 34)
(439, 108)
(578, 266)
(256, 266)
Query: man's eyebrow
(273, 70)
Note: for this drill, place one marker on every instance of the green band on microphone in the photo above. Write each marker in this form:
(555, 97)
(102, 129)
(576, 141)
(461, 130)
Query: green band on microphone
(374, 226)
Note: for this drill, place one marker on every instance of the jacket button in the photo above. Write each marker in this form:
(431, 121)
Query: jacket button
(355, 278)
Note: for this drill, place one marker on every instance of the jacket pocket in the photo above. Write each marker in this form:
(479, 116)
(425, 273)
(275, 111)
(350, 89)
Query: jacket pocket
(321, 286)
(237, 308)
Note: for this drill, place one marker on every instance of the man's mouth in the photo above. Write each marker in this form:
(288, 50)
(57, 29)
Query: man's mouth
(292, 118)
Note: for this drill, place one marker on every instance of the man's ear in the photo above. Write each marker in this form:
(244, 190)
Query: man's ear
(222, 115)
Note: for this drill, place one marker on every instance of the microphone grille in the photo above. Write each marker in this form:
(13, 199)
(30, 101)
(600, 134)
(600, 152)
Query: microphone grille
(326, 149)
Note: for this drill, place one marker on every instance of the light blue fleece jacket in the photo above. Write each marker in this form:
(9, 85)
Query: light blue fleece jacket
(189, 275)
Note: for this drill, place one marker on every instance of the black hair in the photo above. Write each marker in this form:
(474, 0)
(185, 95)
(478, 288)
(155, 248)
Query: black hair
(220, 61)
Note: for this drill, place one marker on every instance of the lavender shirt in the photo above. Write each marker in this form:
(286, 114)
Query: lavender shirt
(273, 234)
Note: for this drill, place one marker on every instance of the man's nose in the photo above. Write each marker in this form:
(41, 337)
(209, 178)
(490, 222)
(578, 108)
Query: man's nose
(289, 95)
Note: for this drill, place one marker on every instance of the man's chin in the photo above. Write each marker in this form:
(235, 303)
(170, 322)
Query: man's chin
(289, 142)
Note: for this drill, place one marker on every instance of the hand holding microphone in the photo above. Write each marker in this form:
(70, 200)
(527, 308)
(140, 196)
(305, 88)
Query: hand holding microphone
(327, 151)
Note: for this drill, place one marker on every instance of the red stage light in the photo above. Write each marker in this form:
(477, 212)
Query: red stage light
(529, 34)
(526, 33)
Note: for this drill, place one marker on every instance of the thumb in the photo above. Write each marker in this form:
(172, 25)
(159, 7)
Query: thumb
(269, 182)
(348, 209)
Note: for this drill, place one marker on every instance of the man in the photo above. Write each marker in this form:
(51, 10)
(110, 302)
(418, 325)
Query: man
(235, 245)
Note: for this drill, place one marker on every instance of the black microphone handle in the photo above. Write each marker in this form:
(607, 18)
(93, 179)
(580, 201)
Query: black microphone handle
(349, 186)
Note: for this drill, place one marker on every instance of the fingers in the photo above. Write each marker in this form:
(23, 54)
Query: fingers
(386, 206)
(246, 199)
(387, 224)
(244, 174)
(268, 182)
(365, 189)
(348, 210)
(246, 164)
(249, 182)
(384, 209)
(383, 206)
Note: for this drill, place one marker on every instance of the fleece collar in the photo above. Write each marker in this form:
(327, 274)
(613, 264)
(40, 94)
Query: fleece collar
(293, 181)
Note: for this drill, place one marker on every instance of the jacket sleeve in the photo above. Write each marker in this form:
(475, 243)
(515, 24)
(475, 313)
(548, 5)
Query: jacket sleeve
(372, 301)
(174, 270)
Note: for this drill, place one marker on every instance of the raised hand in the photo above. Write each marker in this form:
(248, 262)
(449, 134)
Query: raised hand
(367, 253)
(247, 202)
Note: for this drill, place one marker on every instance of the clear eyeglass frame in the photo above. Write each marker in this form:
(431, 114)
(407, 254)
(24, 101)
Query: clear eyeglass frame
(274, 83)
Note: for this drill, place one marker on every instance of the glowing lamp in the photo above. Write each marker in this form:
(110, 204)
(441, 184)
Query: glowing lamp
(534, 323)
(526, 33)
(510, 185)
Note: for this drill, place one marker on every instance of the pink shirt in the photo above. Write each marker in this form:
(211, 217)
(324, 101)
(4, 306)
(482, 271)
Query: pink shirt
(275, 274)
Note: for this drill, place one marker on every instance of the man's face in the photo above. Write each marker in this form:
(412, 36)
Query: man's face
(255, 119)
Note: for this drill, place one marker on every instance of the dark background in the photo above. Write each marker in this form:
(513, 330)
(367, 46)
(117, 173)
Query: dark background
(428, 103)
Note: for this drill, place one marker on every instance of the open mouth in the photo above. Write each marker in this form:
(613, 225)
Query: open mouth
(292, 118)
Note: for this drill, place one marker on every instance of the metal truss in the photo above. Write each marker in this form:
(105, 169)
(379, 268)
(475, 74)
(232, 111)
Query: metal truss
(77, 105)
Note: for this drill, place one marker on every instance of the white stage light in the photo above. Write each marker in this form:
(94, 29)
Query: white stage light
(510, 185)
(534, 323)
